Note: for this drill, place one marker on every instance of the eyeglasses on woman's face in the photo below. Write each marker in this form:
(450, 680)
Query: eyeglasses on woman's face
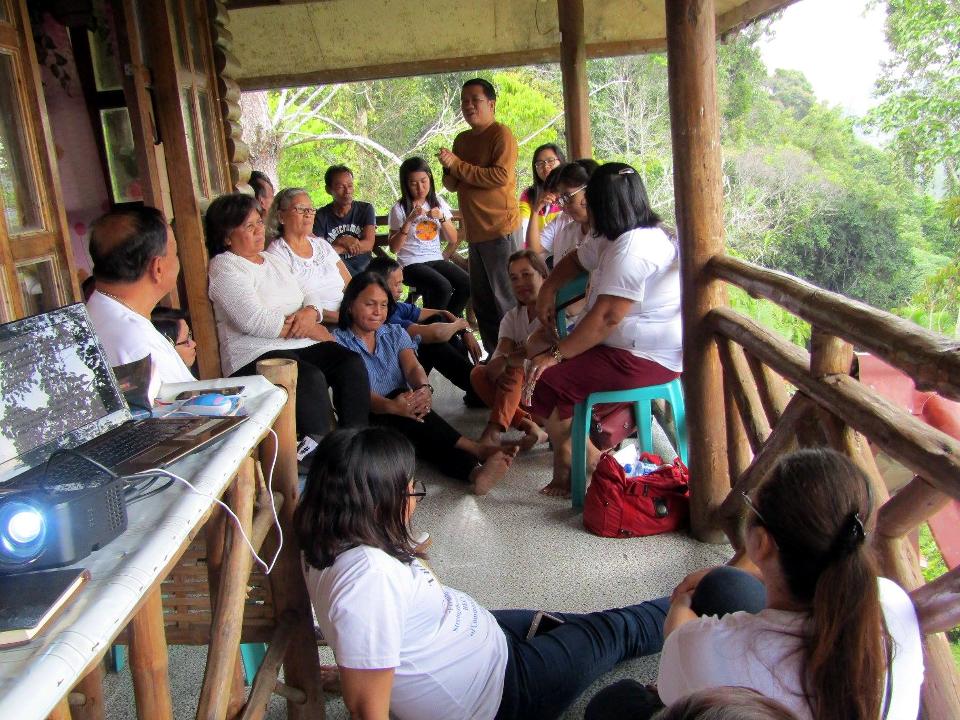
(753, 508)
(565, 199)
(546, 162)
(186, 341)
(304, 210)
(419, 490)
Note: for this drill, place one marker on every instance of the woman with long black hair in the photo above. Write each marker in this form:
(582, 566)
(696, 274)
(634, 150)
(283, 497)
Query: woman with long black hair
(834, 641)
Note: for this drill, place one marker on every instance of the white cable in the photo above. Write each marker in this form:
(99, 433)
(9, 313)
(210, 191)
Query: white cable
(276, 517)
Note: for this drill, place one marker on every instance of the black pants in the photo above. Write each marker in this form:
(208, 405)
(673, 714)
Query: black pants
(443, 285)
(433, 439)
(319, 367)
(723, 590)
(490, 284)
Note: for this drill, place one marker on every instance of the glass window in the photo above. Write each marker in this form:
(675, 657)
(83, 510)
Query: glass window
(17, 182)
(39, 285)
(121, 155)
(186, 107)
(106, 62)
(210, 122)
(145, 37)
(196, 38)
(179, 36)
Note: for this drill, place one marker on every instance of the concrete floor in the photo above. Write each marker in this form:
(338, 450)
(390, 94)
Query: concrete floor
(512, 548)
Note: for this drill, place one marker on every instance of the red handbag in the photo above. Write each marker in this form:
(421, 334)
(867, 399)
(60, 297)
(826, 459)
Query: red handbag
(618, 506)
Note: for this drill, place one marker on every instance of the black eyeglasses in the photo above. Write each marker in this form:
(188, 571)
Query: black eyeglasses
(178, 343)
(419, 490)
(749, 503)
(545, 163)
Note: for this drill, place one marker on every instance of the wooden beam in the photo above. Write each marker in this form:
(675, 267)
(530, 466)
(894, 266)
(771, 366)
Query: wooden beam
(573, 69)
(912, 505)
(738, 380)
(91, 689)
(932, 360)
(692, 84)
(267, 674)
(186, 208)
(922, 448)
(434, 66)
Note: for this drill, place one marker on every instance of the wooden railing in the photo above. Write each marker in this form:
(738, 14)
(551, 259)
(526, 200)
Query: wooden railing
(779, 396)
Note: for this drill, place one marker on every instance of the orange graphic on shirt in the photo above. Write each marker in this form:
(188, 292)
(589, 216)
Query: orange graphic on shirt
(425, 230)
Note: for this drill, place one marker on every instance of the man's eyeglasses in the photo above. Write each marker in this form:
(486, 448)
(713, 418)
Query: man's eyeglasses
(749, 503)
(546, 163)
(565, 199)
(419, 490)
(301, 210)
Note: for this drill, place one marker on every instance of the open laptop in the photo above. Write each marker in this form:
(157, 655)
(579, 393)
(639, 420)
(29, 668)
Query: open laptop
(57, 391)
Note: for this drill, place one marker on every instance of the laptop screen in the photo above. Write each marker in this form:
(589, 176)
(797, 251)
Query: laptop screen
(56, 388)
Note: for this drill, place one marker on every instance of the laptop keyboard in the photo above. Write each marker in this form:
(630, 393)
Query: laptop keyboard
(121, 444)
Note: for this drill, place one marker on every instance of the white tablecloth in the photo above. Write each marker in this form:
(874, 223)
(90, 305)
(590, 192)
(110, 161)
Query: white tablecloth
(35, 676)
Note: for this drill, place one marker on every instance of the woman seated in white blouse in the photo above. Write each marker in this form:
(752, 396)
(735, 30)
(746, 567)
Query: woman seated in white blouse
(263, 311)
(629, 333)
(316, 265)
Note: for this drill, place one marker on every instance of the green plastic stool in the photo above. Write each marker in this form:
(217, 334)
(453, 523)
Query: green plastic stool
(672, 392)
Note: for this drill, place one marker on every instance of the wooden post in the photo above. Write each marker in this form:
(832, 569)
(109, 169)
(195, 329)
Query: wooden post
(148, 660)
(573, 69)
(186, 209)
(227, 621)
(692, 76)
(62, 710)
(301, 663)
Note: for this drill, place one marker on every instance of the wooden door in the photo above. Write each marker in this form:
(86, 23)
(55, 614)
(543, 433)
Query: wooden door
(37, 260)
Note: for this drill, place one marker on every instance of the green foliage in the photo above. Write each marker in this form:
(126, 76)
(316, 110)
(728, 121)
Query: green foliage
(771, 315)
(919, 89)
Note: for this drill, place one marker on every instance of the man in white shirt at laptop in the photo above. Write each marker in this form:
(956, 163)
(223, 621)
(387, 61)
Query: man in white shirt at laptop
(135, 264)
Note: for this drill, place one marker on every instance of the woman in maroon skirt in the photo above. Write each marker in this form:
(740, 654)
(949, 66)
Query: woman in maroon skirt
(630, 333)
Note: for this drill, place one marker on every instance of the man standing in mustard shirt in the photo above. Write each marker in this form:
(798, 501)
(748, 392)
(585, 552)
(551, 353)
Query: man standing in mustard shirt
(481, 169)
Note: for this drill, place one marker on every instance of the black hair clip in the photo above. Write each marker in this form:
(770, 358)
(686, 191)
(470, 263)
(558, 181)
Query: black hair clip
(627, 171)
(850, 537)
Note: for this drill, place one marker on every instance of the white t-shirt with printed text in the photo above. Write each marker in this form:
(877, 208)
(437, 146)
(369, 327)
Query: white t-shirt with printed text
(127, 336)
(448, 653)
(642, 265)
(761, 652)
(423, 239)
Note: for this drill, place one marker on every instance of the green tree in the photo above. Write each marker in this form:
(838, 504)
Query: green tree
(919, 88)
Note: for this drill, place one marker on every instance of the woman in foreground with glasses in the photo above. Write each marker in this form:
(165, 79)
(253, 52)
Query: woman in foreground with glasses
(833, 641)
(629, 333)
(408, 646)
(263, 311)
(314, 262)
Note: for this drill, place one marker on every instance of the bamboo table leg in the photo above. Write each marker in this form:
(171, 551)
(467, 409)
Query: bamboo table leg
(148, 660)
(91, 687)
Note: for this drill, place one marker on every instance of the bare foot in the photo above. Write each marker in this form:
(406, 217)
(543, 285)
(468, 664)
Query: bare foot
(484, 452)
(490, 473)
(556, 489)
(533, 435)
(491, 435)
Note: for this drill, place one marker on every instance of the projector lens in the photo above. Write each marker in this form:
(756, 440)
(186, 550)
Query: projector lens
(23, 531)
(25, 526)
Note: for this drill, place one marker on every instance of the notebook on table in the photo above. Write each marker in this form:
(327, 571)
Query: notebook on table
(29, 601)
(57, 391)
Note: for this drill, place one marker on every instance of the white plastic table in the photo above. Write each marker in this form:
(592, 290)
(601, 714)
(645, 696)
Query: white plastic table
(126, 574)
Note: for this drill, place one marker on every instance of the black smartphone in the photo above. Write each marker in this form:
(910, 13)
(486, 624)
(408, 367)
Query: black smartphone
(227, 391)
(543, 622)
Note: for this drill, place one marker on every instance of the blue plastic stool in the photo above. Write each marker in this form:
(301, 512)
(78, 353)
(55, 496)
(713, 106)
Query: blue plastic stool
(672, 392)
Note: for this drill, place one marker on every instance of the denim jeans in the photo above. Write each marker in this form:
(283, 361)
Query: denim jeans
(548, 672)
(723, 590)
